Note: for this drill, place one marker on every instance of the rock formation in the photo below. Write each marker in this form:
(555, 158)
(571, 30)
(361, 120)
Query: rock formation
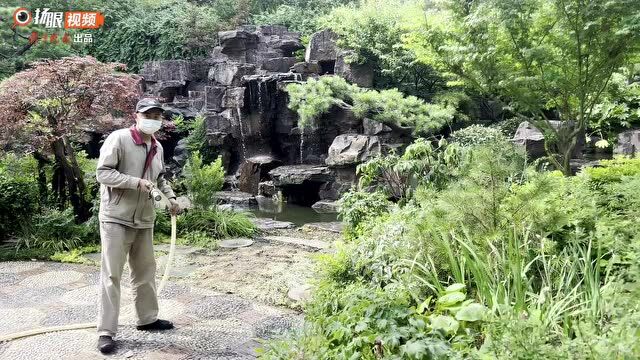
(239, 89)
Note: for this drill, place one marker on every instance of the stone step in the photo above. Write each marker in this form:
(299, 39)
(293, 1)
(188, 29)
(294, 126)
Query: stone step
(315, 244)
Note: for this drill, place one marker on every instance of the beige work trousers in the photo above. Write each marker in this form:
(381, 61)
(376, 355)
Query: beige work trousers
(118, 241)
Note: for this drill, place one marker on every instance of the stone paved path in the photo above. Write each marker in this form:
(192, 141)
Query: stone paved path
(209, 324)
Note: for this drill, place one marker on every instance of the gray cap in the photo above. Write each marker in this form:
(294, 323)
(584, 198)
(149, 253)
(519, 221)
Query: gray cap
(147, 104)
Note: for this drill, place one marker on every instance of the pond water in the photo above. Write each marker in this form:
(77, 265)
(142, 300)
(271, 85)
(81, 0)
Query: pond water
(299, 215)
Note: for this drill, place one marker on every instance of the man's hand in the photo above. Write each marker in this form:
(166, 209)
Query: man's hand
(145, 185)
(174, 207)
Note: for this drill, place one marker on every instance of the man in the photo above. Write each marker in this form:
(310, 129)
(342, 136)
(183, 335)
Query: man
(131, 163)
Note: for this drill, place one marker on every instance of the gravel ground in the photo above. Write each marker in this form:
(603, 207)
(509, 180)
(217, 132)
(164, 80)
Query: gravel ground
(209, 324)
(222, 302)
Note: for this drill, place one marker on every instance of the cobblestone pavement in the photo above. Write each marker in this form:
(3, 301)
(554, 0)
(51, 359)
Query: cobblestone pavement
(209, 324)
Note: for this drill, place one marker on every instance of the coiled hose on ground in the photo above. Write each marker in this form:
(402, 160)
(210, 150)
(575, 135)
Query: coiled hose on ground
(163, 282)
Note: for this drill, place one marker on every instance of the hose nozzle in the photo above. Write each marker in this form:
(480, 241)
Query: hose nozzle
(155, 194)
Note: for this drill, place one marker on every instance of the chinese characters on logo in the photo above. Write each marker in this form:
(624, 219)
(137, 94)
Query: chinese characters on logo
(81, 20)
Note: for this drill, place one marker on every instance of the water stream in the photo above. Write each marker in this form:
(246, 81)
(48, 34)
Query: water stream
(242, 140)
(301, 142)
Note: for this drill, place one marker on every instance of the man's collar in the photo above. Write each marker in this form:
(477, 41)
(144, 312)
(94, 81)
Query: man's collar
(137, 137)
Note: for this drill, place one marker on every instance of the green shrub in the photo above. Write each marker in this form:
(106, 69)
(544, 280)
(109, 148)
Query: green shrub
(18, 202)
(162, 223)
(477, 135)
(555, 259)
(356, 207)
(216, 224)
(614, 170)
(422, 164)
(203, 181)
(315, 97)
(53, 230)
(88, 168)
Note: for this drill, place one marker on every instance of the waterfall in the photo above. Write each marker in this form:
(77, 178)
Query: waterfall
(250, 94)
(301, 142)
(244, 147)
(260, 96)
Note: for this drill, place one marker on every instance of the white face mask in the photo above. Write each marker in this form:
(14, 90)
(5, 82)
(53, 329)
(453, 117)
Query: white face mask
(149, 126)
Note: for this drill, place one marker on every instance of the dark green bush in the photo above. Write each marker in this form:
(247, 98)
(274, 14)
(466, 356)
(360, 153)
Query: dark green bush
(358, 206)
(18, 202)
(216, 224)
(53, 230)
(474, 135)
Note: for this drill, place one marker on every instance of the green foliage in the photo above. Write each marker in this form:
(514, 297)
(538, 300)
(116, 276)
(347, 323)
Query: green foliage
(18, 200)
(316, 97)
(542, 257)
(374, 30)
(75, 256)
(392, 107)
(162, 222)
(203, 181)
(612, 171)
(351, 319)
(619, 108)
(136, 32)
(477, 135)
(216, 224)
(88, 168)
(297, 15)
(197, 138)
(358, 206)
(53, 230)
(421, 164)
(535, 56)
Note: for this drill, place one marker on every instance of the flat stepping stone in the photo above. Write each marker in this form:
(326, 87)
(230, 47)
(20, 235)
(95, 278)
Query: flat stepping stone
(268, 224)
(316, 244)
(334, 226)
(235, 243)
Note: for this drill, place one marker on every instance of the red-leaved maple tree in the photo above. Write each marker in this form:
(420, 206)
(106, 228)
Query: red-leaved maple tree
(53, 104)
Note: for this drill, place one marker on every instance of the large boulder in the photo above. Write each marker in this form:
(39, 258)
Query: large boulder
(253, 171)
(326, 207)
(237, 198)
(532, 139)
(213, 97)
(297, 174)
(230, 74)
(361, 75)
(628, 143)
(322, 46)
(348, 149)
(239, 45)
(278, 64)
(233, 97)
(529, 137)
(181, 152)
(344, 179)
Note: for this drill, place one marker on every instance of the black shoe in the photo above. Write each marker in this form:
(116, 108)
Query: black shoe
(106, 344)
(156, 325)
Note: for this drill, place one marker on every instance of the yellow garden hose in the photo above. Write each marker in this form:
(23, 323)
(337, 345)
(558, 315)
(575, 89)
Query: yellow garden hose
(163, 282)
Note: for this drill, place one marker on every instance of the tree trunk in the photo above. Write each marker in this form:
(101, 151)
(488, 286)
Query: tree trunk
(58, 185)
(42, 177)
(73, 178)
